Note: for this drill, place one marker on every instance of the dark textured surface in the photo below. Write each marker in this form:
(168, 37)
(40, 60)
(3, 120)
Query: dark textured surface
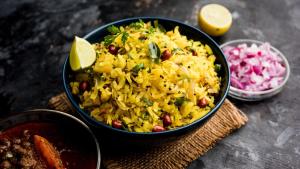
(35, 38)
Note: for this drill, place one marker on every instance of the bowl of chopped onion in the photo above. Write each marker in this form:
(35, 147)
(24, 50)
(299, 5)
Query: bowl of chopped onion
(257, 69)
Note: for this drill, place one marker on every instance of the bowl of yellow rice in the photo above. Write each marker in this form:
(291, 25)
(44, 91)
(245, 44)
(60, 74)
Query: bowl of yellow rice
(153, 78)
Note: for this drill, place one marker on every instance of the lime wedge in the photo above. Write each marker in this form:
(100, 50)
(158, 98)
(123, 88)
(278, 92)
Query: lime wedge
(82, 54)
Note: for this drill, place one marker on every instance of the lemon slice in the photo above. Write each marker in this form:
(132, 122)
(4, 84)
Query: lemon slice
(215, 19)
(82, 54)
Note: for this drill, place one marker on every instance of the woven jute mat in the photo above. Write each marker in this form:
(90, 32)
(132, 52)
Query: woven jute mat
(174, 155)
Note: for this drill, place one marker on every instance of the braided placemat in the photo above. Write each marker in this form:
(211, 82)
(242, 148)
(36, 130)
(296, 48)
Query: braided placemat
(177, 154)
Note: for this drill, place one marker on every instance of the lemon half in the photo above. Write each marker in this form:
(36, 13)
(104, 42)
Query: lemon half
(82, 54)
(215, 19)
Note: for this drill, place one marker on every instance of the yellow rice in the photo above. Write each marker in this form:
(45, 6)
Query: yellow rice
(139, 101)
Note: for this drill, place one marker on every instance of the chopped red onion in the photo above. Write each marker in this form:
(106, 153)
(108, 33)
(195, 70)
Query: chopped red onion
(254, 68)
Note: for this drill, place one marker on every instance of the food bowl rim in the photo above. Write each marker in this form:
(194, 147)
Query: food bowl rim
(86, 116)
(285, 62)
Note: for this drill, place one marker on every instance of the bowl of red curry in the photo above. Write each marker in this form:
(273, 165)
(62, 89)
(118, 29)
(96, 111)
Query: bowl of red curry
(47, 139)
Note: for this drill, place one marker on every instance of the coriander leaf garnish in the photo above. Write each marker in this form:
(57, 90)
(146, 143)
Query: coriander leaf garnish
(145, 115)
(151, 30)
(137, 25)
(179, 101)
(135, 70)
(141, 22)
(147, 101)
(109, 39)
(217, 67)
(113, 30)
(175, 50)
(124, 37)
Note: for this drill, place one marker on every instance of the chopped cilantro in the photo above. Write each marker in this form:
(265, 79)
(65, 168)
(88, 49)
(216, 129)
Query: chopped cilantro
(217, 67)
(175, 50)
(113, 30)
(137, 25)
(147, 101)
(124, 37)
(109, 39)
(179, 101)
(151, 30)
(145, 115)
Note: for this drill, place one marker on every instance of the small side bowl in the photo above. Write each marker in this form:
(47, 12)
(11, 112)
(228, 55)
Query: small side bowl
(152, 138)
(257, 95)
(70, 123)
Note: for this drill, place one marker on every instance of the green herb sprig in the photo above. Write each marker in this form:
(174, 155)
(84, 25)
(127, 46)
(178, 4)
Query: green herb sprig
(125, 36)
(159, 26)
(135, 70)
(115, 32)
(147, 101)
(137, 25)
(179, 101)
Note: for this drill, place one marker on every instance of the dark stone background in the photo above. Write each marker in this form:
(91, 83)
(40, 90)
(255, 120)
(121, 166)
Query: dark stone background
(35, 38)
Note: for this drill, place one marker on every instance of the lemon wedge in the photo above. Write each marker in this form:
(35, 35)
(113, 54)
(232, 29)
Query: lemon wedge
(82, 54)
(215, 19)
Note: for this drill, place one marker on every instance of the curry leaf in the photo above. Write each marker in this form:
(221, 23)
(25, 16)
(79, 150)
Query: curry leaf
(157, 60)
(154, 51)
(135, 70)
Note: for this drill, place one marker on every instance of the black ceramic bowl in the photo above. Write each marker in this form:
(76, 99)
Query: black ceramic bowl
(156, 137)
(72, 128)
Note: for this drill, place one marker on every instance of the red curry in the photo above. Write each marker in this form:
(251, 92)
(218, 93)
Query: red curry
(40, 145)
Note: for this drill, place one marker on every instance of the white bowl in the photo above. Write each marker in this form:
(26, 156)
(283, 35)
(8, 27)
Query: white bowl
(257, 95)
